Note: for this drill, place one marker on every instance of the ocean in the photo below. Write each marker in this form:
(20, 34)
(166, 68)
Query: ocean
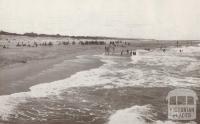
(124, 90)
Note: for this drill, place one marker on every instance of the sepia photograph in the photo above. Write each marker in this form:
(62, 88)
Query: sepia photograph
(99, 61)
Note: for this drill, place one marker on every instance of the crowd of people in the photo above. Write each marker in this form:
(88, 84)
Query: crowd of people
(50, 43)
(111, 47)
(128, 52)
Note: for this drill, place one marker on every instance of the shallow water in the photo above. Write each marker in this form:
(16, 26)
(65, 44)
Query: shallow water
(123, 90)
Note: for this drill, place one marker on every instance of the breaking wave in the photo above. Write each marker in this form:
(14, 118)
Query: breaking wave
(146, 69)
(139, 115)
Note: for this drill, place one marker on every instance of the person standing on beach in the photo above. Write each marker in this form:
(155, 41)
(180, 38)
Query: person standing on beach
(122, 52)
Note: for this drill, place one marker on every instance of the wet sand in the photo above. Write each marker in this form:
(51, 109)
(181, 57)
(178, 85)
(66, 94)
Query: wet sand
(24, 67)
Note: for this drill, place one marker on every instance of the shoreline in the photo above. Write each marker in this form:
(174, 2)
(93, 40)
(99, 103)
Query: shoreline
(19, 77)
(99, 99)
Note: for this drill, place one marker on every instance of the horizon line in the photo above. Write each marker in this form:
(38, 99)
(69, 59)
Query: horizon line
(34, 34)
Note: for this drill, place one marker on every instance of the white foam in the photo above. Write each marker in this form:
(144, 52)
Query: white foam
(112, 76)
(135, 59)
(84, 78)
(9, 102)
(138, 115)
(191, 49)
(139, 56)
(168, 62)
(165, 76)
(133, 115)
(193, 66)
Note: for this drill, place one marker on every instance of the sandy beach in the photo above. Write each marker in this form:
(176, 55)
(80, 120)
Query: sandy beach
(23, 67)
(99, 62)
(78, 84)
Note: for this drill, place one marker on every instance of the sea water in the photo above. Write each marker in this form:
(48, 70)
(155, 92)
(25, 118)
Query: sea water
(94, 96)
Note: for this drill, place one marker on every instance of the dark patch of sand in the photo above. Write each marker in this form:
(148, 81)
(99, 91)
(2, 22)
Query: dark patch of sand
(17, 76)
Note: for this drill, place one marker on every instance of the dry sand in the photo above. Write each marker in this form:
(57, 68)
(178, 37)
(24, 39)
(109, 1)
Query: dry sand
(20, 66)
(23, 67)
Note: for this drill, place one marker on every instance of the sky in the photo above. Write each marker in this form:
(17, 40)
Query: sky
(149, 19)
